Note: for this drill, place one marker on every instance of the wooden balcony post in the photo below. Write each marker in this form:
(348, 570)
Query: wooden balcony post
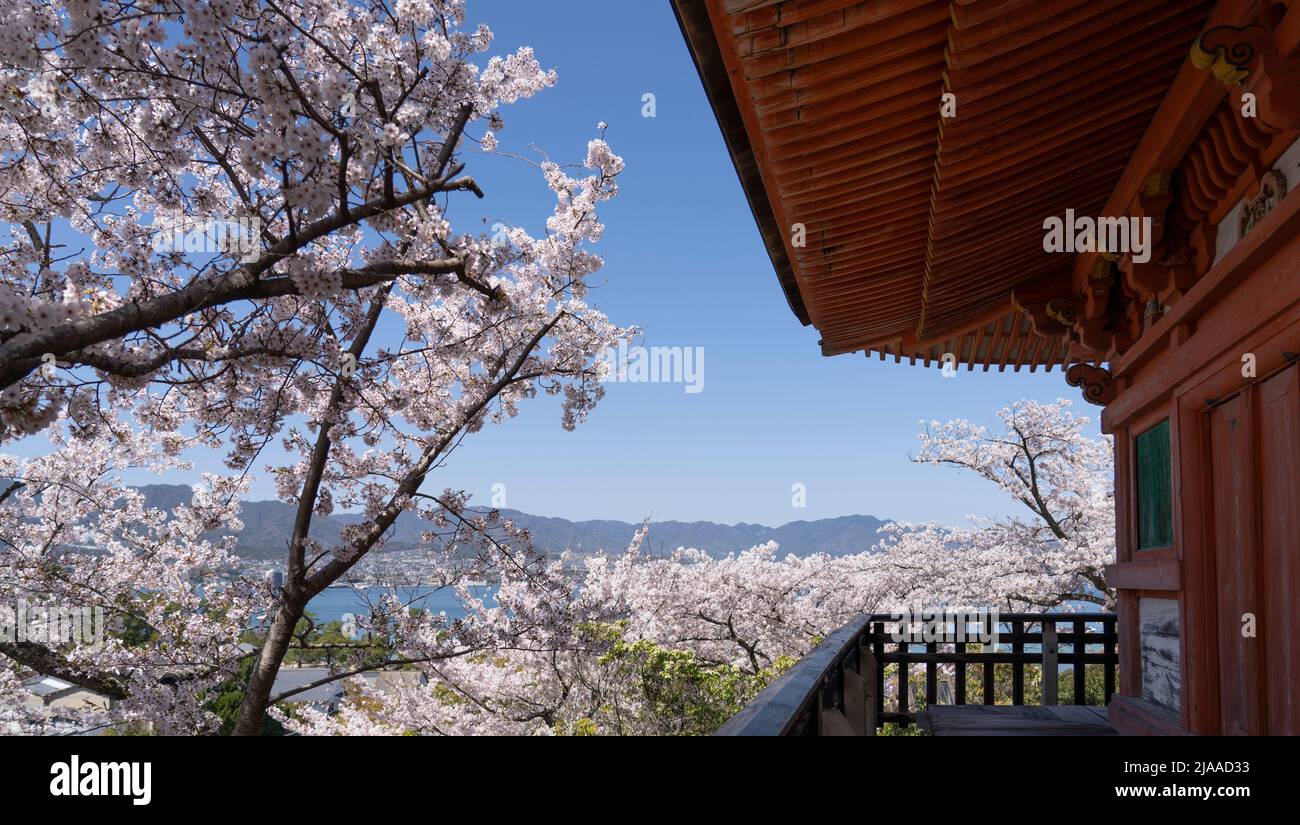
(868, 668)
(1051, 676)
(878, 662)
(1108, 630)
(856, 701)
(1018, 666)
(830, 722)
(990, 696)
(1080, 670)
(959, 669)
(904, 686)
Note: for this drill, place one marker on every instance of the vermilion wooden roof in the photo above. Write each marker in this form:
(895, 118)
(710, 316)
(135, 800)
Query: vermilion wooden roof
(919, 227)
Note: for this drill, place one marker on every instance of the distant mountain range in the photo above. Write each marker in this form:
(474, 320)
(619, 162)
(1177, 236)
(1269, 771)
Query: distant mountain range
(267, 525)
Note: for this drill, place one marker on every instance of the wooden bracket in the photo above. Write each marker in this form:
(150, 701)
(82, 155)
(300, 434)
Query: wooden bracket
(1248, 56)
(1098, 384)
(1276, 87)
(1227, 52)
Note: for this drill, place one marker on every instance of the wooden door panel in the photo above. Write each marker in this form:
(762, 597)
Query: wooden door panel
(1231, 452)
(1279, 625)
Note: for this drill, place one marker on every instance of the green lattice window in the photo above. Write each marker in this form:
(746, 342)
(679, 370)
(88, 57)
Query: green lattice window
(1154, 488)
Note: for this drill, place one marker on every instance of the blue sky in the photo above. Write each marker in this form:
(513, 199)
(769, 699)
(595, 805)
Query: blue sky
(684, 261)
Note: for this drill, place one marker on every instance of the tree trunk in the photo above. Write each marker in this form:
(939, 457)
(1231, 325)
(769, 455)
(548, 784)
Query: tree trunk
(257, 697)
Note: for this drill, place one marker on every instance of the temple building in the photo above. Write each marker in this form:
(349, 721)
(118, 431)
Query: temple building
(1099, 187)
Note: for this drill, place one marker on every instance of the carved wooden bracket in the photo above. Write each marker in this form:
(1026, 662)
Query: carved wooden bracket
(1276, 87)
(1153, 202)
(1134, 322)
(1158, 272)
(1095, 340)
(1091, 318)
(1062, 310)
(1098, 385)
(1228, 51)
(1093, 289)
(1248, 56)
(1203, 243)
(1151, 276)
(1048, 303)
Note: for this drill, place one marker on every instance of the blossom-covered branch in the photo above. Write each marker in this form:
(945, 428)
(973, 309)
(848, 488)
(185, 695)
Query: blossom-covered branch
(218, 212)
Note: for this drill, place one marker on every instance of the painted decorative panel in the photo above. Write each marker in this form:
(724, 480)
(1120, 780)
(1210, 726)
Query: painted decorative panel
(1228, 232)
(1154, 490)
(1161, 674)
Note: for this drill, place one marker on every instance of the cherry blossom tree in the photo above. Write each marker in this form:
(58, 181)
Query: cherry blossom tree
(746, 610)
(671, 645)
(155, 577)
(639, 645)
(1041, 457)
(335, 137)
(648, 646)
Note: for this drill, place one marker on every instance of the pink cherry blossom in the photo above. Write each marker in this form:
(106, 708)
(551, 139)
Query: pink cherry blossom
(335, 131)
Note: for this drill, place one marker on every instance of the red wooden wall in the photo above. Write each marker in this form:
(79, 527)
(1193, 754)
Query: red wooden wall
(1236, 476)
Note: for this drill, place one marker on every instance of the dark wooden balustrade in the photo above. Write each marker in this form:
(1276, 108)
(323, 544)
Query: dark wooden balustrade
(840, 687)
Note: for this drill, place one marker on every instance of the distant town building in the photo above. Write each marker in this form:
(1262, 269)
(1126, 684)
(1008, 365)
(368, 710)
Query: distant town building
(327, 697)
(324, 698)
(56, 694)
(385, 681)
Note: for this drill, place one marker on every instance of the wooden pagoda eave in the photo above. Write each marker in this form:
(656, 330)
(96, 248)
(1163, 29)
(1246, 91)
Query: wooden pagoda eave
(693, 18)
(917, 228)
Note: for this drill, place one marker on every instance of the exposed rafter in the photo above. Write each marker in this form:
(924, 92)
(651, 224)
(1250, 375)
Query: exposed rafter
(918, 227)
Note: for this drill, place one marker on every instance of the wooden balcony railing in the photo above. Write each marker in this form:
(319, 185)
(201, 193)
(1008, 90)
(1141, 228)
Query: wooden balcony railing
(840, 687)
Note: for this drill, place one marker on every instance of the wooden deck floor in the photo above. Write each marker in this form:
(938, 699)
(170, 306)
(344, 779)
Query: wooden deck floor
(1015, 720)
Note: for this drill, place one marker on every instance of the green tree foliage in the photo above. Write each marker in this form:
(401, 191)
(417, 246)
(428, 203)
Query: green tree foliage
(327, 645)
(652, 689)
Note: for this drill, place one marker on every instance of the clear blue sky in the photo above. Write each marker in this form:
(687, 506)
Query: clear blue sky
(683, 260)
